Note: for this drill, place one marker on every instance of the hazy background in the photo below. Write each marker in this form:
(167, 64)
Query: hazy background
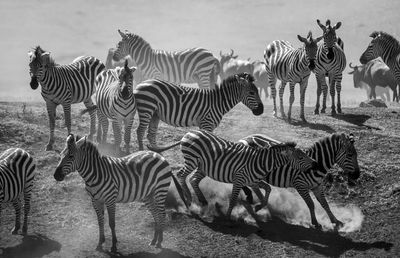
(71, 28)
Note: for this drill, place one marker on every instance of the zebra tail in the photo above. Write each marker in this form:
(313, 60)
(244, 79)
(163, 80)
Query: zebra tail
(159, 149)
(89, 109)
(179, 189)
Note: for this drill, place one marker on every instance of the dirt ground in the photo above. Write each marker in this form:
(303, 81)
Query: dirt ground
(63, 222)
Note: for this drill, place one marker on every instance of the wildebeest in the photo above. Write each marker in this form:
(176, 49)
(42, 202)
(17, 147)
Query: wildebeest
(230, 65)
(374, 73)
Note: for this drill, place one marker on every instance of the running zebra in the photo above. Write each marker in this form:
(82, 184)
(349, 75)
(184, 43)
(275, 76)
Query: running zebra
(193, 65)
(335, 149)
(115, 101)
(186, 106)
(388, 48)
(288, 64)
(141, 176)
(65, 85)
(230, 162)
(17, 172)
(331, 61)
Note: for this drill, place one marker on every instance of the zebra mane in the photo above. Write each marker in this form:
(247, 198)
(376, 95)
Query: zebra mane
(386, 36)
(134, 37)
(38, 51)
(91, 147)
(233, 78)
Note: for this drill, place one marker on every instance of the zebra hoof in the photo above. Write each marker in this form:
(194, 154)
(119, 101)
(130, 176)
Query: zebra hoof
(99, 248)
(49, 147)
(323, 111)
(14, 231)
(316, 112)
(114, 249)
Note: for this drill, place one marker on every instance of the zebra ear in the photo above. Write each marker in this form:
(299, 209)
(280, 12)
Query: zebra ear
(319, 39)
(321, 25)
(123, 35)
(132, 69)
(45, 57)
(351, 138)
(337, 25)
(304, 40)
(70, 139)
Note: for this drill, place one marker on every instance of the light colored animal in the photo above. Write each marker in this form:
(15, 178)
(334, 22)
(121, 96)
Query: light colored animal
(230, 65)
(373, 74)
(17, 172)
(192, 65)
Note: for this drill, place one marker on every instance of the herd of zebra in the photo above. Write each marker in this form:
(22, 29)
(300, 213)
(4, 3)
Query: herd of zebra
(255, 161)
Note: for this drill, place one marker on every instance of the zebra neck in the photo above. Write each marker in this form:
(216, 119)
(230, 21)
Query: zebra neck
(324, 154)
(142, 54)
(226, 96)
(299, 58)
(92, 167)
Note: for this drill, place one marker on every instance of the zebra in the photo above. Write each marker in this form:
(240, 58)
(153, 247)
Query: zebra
(65, 85)
(115, 101)
(388, 48)
(140, 176)
(230, 162)
(328, 151)
(288, 64)
(193, 65)
(331, 62)
(187, 106)
(17, 172)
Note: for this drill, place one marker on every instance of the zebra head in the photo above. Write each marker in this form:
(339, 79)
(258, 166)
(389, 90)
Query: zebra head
(125, 81)
(380, 45)
(310, 47)
(250, 96)
(288, 154)
(70, 157)
(329, 35)
(123, 46)
(38, 60)
(346, 158)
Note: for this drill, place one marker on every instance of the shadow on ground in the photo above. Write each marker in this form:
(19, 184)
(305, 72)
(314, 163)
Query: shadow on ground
(31, 246)
(164, 253)
(329, 244)
(314, 126)
(356, 119)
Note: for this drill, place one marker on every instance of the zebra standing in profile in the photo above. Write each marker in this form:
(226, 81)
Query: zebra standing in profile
(65, 85)
(388, 48)
(230, 162)
(288, 64)
(331, 61)
(141, 176)
(194, 65)
(17, 172)
(335, 149)
(186, 106)
(115, 101)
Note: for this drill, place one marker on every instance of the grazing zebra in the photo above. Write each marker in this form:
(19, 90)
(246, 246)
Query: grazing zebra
(388, 48)
(288, 64)
(17, 172)
(65, 85)
(141, 176)
(193, 65)
(186, 106)
(230, 162)
(335, 149)
(115, 101)
(331, 61)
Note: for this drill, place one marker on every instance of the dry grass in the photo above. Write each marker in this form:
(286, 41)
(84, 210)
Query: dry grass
(63, 223)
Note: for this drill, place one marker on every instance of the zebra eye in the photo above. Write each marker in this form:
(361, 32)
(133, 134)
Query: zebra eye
(252, 93)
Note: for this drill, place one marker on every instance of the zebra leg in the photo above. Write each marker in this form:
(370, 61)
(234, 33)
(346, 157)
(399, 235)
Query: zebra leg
(303, 88)
(153, 126)
(304, 193)
(319, 194)
(195, 181)
(144, 121)
(235, 194)
(99, 208)
(117, 136)
(89, 103)
(156, 207)
(291, 100)
(317, 105)
(102, 129)
(264, 201)
(182, 175)
(17, 206)
(281, 91)
(127, 134)
(332, 93)
(51, 111)
(338, 83)
(324, 89)
(272, 83)
(67, 116)
(27, 207)
(111, 223)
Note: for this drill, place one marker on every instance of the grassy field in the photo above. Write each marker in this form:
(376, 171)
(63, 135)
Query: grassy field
(63, 222)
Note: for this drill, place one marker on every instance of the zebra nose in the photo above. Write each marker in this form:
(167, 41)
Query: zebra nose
(330, 54)
(58, 175)
(34, 83)
(259, 110)
(312, 64)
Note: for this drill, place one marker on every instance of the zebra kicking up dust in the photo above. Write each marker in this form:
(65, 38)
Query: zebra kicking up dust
(185, 106)
(17, 172)
(331, 61)
(288, 64)
(388, 48)
(141, 176)
(193, 65)
(230, 162)
(335, 149)
(65, 85)
(115, 101)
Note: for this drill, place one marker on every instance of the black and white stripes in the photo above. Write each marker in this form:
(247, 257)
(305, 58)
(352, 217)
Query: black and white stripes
(65, 85)
(17, 172)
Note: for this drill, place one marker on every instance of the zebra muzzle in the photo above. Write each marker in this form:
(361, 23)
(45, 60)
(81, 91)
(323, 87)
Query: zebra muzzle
(259, 110)
(58, 175)
(330, 54)
(34, 82)
(311, 65)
